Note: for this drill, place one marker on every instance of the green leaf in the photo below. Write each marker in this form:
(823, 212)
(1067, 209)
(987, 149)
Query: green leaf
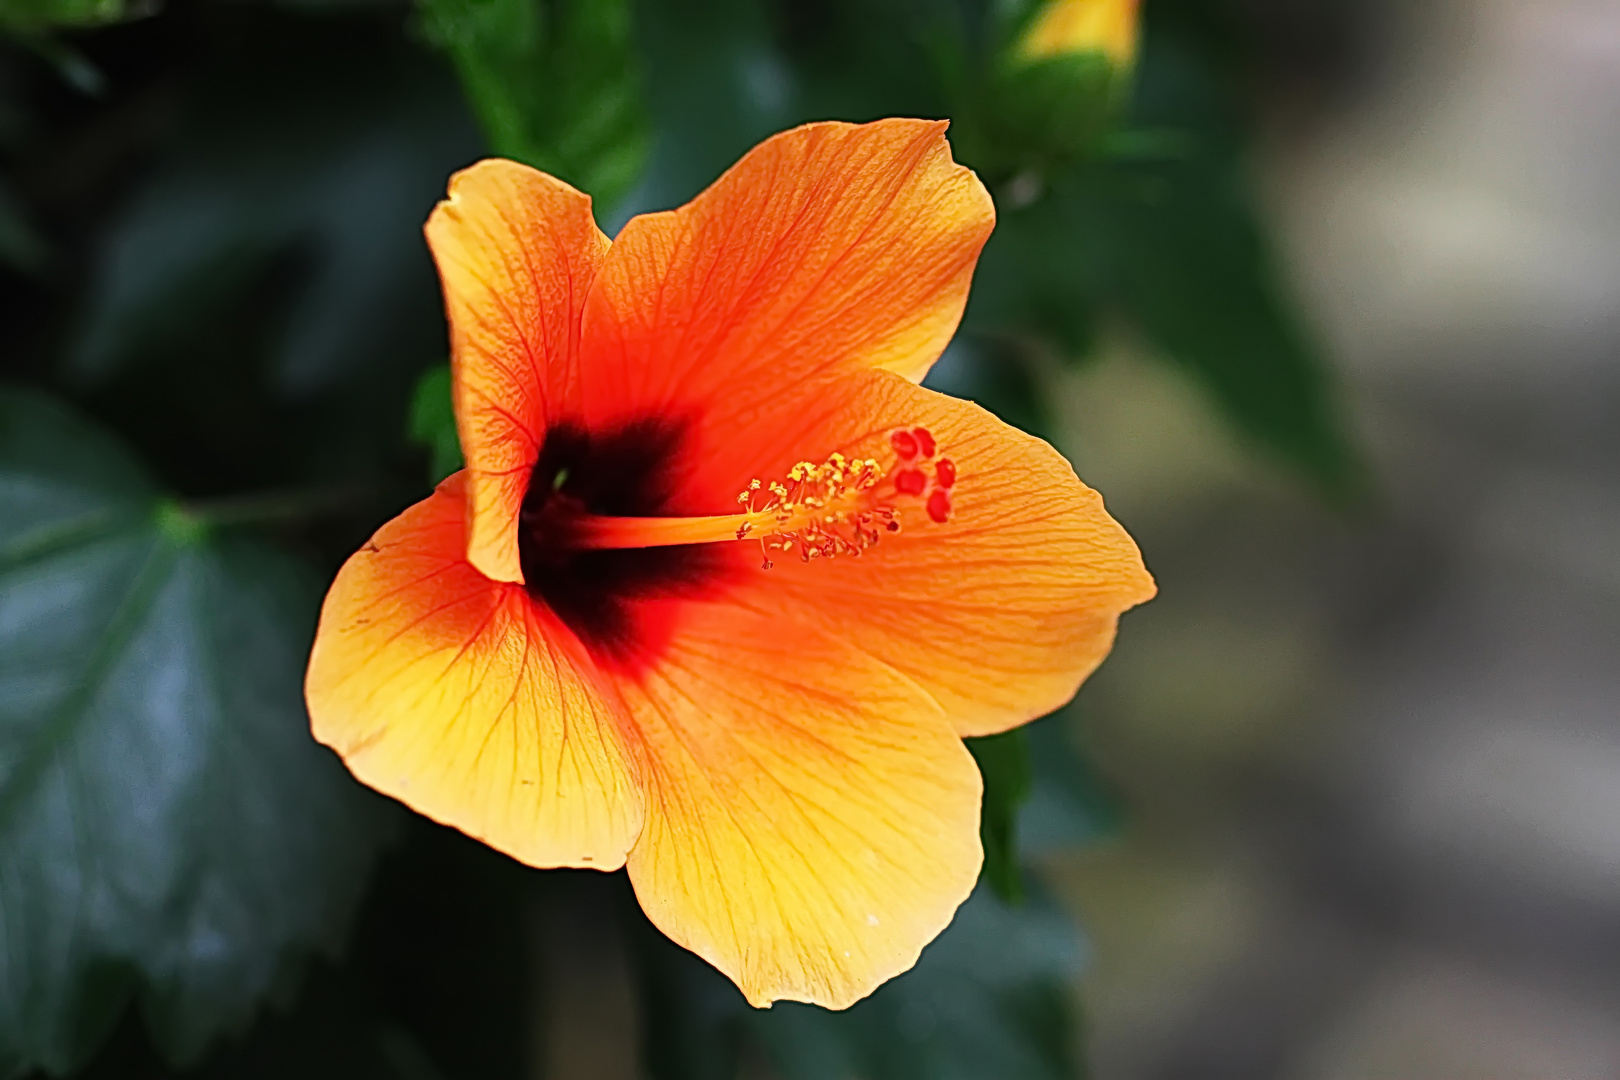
(989, 998)
(1040, 794)
(1191, 263)
(33, 16)
(695, 1017)
(999, 373)
(717, 84)
(722, 75)
(282, 231)
(1155, 226)
(1069, 804)
(21, 247)
(1196, 274)
(433, 422)
(1045, 270)
(553, 82)
(168, 829)
(1173, 247)
(1004, 763)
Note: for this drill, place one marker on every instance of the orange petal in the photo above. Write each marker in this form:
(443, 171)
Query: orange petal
(1001, 612)
(463, 699)
(517, 251)
(831, 245)
(812, 821)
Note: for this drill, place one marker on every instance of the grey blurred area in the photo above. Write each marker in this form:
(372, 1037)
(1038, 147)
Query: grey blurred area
(1372, 756)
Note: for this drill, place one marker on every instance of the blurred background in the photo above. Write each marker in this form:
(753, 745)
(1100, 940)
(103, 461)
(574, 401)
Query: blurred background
(1373, 759)
(1323, 295)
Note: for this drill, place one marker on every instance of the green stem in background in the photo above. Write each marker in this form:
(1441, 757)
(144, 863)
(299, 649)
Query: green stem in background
(188, 522)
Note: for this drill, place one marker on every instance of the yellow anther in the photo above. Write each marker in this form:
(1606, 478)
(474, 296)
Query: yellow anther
(822, 511)
(842, 506)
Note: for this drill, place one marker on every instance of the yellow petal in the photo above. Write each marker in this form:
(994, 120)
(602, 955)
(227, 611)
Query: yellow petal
(812, 821)
(468, 702)
(517, 251)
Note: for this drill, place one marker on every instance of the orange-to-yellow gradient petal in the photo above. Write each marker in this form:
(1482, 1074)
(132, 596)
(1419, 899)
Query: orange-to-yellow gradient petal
(1000, 612)
(812, 820)
(517, 251)
(461, 697)
(829, 246)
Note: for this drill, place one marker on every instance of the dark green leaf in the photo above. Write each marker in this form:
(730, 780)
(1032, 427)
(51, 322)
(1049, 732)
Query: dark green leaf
(694, 1017)
(1040, 794)
(989, 998)
(295, 214)
(1069, 804)
(723, 75)
(21, 247)
(998, 373)
(1174, 247)
(1190, 262)
(1042, 272)
(433, 422)
(168, 829)
(33, 16)
(1004, 763)
(1158, 228)
(553, 82)
(1194, 271)
(717, 84)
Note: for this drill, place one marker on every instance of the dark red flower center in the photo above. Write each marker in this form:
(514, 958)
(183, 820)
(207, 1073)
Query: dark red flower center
(600, 594)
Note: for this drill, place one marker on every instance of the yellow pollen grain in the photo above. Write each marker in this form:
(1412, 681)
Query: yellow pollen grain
(822, 511)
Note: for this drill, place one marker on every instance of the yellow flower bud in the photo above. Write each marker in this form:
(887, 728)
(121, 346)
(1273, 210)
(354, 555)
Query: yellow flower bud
(1076, 26)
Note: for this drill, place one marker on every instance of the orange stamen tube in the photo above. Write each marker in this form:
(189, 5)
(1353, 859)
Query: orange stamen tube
(840, 507)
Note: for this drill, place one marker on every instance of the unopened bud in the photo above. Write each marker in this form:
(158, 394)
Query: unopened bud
(1065, 27)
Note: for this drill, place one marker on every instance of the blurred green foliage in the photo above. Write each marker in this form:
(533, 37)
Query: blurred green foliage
(20, 245)
(988, 998)
(553, 82)
(34, 16)
(1004, 763)
(219, 258)
(433, 423)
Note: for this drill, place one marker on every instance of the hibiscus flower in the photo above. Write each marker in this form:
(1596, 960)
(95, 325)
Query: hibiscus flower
(722, 588)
